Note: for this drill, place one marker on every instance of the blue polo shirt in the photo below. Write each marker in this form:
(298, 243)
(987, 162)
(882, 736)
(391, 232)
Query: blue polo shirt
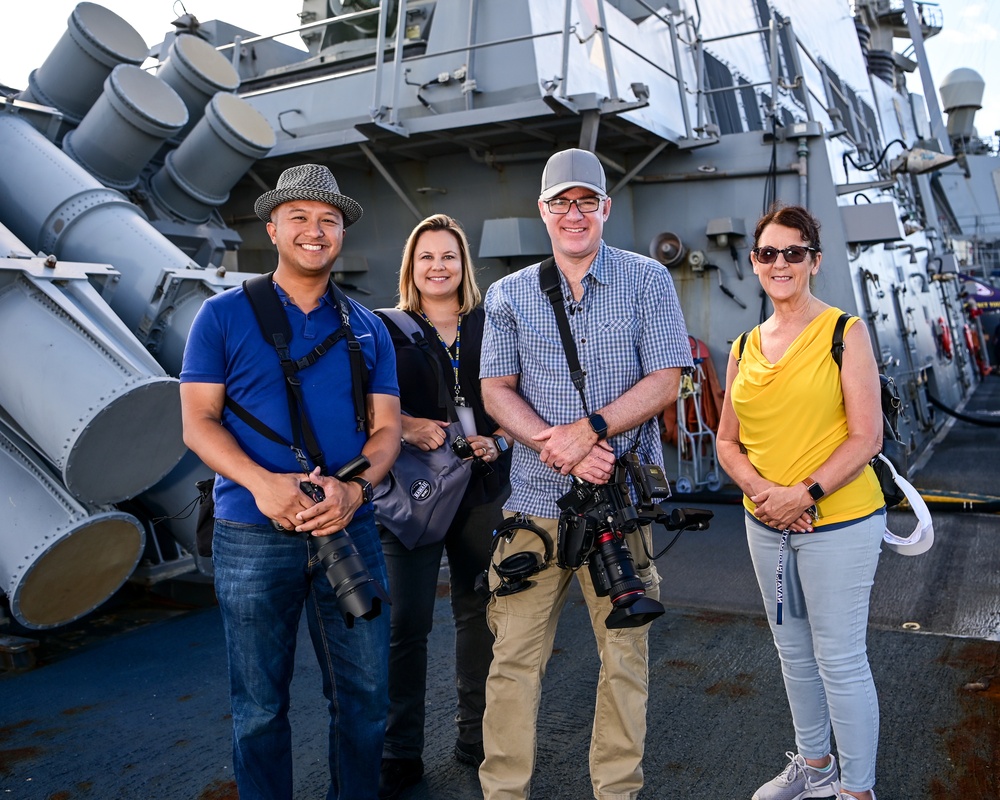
(225, 345)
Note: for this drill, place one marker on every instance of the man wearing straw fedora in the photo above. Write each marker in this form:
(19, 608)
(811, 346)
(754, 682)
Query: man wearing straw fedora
(265, 574)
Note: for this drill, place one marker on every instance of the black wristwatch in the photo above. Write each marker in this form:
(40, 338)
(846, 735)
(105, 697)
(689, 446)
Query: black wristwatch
(366, 488)
(501, 443)
(599, 425)
(815, 490)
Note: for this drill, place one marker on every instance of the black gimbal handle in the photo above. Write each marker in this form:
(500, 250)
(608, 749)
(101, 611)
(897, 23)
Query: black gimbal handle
(687, 519)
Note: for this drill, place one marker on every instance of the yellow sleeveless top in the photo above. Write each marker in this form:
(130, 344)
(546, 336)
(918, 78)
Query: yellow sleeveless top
(792, 417)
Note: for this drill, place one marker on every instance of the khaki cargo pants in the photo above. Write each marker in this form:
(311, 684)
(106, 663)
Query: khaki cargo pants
(525, 625)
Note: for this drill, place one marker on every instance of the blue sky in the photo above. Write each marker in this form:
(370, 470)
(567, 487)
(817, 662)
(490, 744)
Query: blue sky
(970, 38)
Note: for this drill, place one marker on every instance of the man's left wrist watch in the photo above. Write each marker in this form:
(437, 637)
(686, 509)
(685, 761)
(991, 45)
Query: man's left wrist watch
(501, 443)
(366, 488)
(599, 426)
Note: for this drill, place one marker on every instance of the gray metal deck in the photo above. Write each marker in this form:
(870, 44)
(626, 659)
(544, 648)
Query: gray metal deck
(144, 714)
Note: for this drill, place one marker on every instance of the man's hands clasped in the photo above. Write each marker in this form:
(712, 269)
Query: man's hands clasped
(574, 449)
(284, 502)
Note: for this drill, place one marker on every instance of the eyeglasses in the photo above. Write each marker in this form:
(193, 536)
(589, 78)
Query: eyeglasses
(793, 254)
(585, 205)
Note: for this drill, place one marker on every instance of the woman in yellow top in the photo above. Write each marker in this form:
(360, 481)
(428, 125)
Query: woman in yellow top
(796, 435)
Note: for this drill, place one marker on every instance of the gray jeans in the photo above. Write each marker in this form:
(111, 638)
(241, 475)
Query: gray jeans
(828, 576)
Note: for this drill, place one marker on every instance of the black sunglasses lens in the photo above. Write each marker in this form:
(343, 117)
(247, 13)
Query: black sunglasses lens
(793, 254)
(767, 255)
(481, 468)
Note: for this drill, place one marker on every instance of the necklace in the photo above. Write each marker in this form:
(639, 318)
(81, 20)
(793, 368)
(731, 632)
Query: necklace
(453, 356)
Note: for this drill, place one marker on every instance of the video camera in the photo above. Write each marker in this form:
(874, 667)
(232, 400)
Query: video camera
(594, 522)
(358, 593)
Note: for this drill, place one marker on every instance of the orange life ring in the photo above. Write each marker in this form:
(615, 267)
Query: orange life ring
(944, 337)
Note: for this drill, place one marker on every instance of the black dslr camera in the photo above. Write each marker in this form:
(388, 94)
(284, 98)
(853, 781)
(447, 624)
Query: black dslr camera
(592, 527)
(358, 593)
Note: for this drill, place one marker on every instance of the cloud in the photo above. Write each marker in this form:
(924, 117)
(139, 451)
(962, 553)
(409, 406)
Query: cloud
(983, 32)
(972, 11)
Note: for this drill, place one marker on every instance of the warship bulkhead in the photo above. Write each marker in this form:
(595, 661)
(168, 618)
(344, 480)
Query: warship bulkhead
(129, 173)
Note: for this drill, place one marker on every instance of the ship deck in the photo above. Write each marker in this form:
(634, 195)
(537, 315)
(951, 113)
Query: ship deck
(144, 712)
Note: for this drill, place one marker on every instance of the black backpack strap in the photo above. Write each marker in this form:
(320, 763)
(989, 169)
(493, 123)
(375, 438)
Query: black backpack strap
(743, 344)
(409, 327)
(837, 350)
(551, 286)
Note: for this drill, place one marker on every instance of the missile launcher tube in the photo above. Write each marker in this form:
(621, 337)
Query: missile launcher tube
(231, 135)
(135, 114)
(54, 205)
(59, 559)
(72, 76)
(79, 386)
(197, 72)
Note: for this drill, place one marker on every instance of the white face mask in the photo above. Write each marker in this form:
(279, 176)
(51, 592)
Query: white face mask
(922, 538)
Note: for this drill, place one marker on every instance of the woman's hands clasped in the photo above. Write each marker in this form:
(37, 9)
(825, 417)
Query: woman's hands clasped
(782, 508)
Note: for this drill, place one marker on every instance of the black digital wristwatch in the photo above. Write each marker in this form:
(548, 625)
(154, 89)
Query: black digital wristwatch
(366, 488)
(599, 426)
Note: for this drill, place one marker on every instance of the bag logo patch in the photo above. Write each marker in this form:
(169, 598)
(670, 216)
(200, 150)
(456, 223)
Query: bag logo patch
(420, 489)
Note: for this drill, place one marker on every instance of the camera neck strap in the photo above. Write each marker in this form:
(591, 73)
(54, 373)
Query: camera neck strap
(276, 329)
(551, 285)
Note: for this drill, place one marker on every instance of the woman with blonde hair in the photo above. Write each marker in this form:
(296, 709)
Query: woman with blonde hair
(437, 289)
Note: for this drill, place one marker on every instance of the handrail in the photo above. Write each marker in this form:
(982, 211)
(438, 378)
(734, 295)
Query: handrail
(320, 23)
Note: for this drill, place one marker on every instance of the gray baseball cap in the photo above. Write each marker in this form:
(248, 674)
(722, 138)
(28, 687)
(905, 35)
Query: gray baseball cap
(569, 168)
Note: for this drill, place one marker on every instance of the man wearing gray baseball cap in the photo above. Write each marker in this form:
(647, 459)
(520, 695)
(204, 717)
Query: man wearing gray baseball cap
(622, 314)
(276, 504)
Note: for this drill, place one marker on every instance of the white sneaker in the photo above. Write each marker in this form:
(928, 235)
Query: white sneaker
(799, 780)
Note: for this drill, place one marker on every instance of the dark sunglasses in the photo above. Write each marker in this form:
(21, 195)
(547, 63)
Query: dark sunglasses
(793, 254)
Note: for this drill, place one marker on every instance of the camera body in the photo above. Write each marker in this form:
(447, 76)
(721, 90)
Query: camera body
(593, 523)
(313, 491)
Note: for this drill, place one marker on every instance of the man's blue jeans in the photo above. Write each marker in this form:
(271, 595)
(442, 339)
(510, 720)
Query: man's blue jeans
(263, 579)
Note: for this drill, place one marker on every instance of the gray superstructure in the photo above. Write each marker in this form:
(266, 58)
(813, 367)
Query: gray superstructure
(131, 185)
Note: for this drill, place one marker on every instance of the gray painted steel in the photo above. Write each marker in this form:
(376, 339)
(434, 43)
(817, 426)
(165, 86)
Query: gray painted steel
(72, 76)
(59, 559)
(135, 114)
(196, 71)
(80, 386)
(230, 136)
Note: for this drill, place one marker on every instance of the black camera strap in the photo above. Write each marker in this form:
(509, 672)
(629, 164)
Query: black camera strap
(276, 329)
(551, 285)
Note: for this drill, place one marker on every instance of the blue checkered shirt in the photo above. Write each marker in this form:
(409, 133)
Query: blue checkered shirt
(627, 324)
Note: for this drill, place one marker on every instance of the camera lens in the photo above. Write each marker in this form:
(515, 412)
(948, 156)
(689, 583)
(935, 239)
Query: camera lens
(358, 593)
(613, 571)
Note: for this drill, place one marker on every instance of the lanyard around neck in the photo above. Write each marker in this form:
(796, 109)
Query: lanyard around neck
(454, 358)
